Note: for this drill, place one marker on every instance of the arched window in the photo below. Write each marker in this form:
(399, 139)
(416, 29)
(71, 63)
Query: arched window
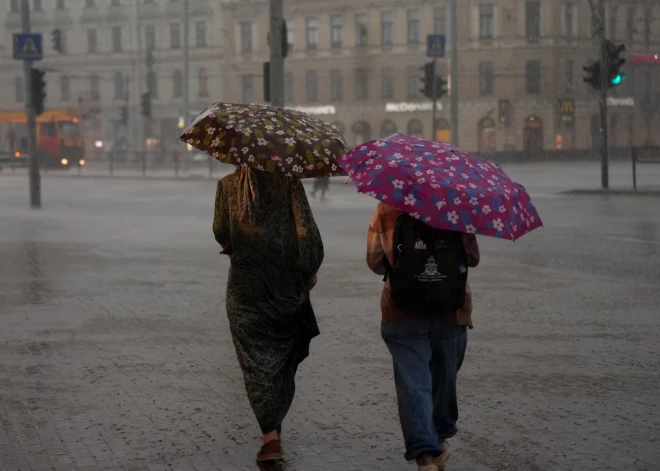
(203, 82)
(486, 135)
(442, 131)
(415, 128)
(361, 132)
(387, 128)
(177, 84)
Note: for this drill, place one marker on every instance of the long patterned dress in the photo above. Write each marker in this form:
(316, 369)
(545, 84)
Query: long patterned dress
(273, 257)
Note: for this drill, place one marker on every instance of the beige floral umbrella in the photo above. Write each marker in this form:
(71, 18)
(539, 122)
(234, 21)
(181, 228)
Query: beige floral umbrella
(268, 138)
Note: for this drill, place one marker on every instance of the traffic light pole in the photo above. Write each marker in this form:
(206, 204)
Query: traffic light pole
(453, 60)
(35, 179)
(276, 54)
(604, 82)
(435, 100)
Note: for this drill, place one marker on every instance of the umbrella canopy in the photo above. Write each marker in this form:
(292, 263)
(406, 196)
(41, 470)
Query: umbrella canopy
(268, 138)
(442, 186)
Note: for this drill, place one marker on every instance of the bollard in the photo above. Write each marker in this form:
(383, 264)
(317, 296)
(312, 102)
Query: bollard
(111, 159)
(634, 168)
(144, 164)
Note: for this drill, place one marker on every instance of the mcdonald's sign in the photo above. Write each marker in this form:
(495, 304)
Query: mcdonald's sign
(567, 110)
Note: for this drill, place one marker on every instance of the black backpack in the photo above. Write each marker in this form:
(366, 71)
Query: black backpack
(430, 270)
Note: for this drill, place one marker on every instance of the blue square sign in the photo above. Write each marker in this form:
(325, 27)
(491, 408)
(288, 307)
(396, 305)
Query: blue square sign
(435, 45)
(28, 47)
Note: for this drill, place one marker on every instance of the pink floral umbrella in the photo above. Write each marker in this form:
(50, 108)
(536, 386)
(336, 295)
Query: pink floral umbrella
(442, 186)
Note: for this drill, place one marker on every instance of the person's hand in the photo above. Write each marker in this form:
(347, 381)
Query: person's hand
(312, 281)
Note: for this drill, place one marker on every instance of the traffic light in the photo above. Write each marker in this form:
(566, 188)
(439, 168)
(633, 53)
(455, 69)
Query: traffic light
(123, 115)
(38, 85)
(145, 103)
(428, 80)
(267, 82)
(440, 87)
(593, 75)
(58, 40)
(614, 63)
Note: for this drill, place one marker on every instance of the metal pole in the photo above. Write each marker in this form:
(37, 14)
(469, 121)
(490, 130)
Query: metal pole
(453, 57)
(604, 69)
(35, 179)
(276, 58)
(140, 61)
(435, 99)
(185, 111)
(634, 167)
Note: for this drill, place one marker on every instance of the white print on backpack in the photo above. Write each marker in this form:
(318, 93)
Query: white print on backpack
(420, 245)
(431, 273)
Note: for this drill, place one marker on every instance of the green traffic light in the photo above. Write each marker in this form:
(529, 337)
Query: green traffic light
(618, 79)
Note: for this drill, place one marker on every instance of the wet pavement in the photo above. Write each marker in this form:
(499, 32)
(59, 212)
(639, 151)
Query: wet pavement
(115, 352)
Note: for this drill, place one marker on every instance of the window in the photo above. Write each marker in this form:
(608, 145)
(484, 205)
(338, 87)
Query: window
(361, 132)
(312, 26)
(336, 85)
(19, 90)
(152, 83)
(486, 78)
(415, 128)
(533, 77)
(248, 88)
(177, 84)
(175, 35)
(289, 34)
(115, 3)
(200, 34)
(203, 82)
(95, 87)
(336, 31)
(65, 88)
(361, 84)
(14, 6)
(36, 5)
(312, 86)
(116, 39)
(630, 24)
(486, 21)
(412, 18)
(361, 30)
(90, 3)
(533, 21)
(387, 83)
(48, 129)
(613, 21)
(570, 26)
(150, 33)
(569, 75)
(246, 38)
(61, 5)
(413, 82)
(387, 128)
(387, 28)
(440, 20)
(119, 86)
(288, 87)
(91, 41)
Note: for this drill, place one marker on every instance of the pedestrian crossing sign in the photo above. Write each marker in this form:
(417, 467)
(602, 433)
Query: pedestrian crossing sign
(28, 47)
(435, 45)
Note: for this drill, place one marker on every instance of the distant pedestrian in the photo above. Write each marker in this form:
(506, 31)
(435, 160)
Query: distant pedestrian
(426, 309)
(323, 184)
(264, 223)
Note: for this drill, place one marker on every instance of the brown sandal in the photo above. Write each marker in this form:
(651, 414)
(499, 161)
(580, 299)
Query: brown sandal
(271, 451)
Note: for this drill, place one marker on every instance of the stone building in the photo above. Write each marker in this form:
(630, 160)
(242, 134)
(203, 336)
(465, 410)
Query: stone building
(357, 63)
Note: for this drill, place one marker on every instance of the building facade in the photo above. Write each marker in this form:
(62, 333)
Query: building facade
(113, 51)
(358, 64)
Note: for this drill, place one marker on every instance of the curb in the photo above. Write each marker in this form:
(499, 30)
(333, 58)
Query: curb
(643, 193)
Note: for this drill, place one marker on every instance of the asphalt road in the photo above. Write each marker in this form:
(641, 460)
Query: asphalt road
(115, 352)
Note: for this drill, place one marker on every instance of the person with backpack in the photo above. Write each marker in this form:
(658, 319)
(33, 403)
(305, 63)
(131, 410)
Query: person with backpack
(426, 309)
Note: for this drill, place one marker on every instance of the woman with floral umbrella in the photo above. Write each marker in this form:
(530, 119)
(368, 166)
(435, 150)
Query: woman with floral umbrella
(264, 223)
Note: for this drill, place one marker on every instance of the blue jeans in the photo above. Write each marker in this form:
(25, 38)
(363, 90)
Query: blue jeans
(427, 356)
